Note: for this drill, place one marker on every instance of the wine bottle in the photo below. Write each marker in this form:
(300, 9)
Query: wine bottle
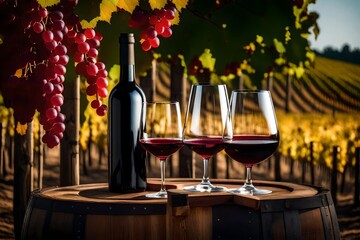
(127, 103)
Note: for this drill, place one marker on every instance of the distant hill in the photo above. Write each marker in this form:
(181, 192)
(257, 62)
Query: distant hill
(328, 87)
(331, 86)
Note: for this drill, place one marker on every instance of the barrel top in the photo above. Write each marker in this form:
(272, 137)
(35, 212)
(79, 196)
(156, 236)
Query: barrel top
(99, 193)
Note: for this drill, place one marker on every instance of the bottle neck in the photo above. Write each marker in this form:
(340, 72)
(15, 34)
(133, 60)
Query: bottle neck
(127, 73)
(127, 61)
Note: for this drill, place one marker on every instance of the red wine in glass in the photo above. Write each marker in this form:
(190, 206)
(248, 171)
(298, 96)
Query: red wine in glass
(162, 136)
(250, 150)
(205, 120)
(162, 147)
(205, 147)
(253, 131)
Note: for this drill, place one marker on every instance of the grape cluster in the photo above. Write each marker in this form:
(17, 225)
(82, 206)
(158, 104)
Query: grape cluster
(85, 55)
(153, 24)
(38, 41)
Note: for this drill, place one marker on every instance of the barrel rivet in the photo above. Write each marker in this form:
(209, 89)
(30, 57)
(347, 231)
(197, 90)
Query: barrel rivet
(145, 208)
(218, 219)
(110, 208)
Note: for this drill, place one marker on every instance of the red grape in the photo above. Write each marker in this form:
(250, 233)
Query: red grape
(38, 27)
(95, 103)
(102, 92)
(92, 69)
(89, 33)
(101, 111)
(47, 36)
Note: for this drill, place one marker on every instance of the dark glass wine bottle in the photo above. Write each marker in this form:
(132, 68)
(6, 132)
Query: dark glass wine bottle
(127, 103)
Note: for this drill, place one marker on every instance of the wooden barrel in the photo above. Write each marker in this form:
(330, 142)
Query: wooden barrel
(90, 211)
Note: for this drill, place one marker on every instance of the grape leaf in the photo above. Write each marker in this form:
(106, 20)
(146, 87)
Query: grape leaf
(279, 46)
(47, 3)
(207, 60)
(128, 5)
(91, 24)
(106, 10)
(157, 4)
(180, 4)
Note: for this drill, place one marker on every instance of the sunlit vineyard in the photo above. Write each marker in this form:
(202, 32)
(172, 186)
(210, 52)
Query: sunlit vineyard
(325, 131)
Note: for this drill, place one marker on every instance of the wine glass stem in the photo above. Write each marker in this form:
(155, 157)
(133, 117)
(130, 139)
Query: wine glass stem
(248, 180)
(162, 172)
(205, 179)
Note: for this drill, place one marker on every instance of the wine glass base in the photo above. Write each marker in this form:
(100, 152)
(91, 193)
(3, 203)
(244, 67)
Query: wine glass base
(205, 188)
(246, 190)
(161, 194)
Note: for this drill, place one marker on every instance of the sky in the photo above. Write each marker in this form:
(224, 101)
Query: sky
(339, 23)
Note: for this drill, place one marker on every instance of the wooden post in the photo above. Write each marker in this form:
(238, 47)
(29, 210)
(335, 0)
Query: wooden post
(2, 153)
(291, 163)
(241, 81)
(288, 92)
(343, 177)
(10, 149)
(357, 178)
(336, 150)
(277, 166)
(101, 153)
(312, 170)
(179, 93)
(84, 165)
(30, 153)
(69, 150)
(147, 83)
(89, 144)
(21, 181)
(303, 171)
(41, 159)
(228, 163)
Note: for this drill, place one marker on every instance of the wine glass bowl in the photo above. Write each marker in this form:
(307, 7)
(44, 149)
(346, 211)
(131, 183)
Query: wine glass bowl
(255, 134)
(162, 135)
(204, 125)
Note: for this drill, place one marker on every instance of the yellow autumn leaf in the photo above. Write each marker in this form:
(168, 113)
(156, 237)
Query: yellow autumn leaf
(279, 46)
(287, 35)
(21, 129)
(260, 40)
(280, 61)
(47, 3)
(207, 60)
(91, 24)
(106, 10)
(180, 4)
(128, 5)
(157, 4)
(176, 19)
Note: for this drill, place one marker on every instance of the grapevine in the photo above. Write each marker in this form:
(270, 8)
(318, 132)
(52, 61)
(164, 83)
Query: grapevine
(153, 24)
(44, 38)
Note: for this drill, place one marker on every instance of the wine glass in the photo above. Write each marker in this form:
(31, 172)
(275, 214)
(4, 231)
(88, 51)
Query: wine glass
(255, 133)
(162, 136)
(205, 120)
